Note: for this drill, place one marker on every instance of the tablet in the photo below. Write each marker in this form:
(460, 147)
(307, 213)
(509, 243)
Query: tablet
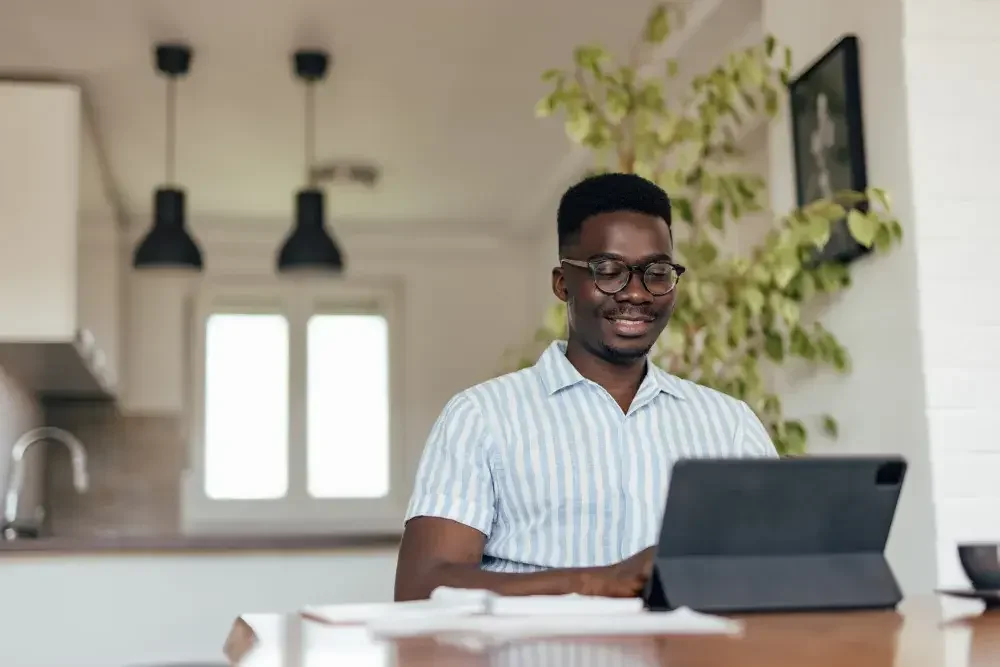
(796, 534)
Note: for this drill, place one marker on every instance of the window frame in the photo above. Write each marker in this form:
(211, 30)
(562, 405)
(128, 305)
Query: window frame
(297, 512)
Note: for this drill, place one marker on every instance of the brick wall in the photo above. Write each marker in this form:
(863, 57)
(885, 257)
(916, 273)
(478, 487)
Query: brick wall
(951, 49)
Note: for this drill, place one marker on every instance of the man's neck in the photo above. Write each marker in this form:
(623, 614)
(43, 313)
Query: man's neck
(621, 380)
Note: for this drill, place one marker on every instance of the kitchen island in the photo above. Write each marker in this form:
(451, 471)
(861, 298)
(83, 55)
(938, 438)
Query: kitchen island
(99, 602)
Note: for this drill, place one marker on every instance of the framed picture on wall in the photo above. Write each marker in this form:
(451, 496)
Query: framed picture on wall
(828, 138)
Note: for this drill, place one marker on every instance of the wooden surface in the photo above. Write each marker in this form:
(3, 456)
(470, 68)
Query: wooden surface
(925, 632)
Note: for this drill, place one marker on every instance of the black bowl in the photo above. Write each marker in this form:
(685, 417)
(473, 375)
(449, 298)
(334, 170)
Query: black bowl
(981, 563)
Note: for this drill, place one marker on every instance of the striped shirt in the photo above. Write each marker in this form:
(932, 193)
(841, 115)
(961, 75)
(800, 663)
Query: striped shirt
(545, 463)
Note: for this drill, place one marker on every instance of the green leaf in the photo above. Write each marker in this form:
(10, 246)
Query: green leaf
(818, 231)
(682, 206)
(795, 436)
(830, 426)
(717, 213)
(754, 300)
(545, 107)
(591, 57)
(774, 346)
(657, 25)
(896, 229)
(881, 196)
(578, 126)
(883, 238)
(863, 228)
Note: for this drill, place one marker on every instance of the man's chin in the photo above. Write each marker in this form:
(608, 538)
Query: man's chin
(626, 352)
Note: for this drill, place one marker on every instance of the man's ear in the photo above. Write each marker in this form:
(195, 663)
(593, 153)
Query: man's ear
(559, 284)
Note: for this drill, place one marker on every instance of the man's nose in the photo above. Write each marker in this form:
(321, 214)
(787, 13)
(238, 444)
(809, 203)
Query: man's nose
(634, 291)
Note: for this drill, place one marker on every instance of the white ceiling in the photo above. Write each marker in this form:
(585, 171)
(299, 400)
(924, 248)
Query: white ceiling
(439, 93)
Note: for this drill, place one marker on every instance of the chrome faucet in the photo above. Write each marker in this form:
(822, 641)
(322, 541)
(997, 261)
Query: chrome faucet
(15, 478)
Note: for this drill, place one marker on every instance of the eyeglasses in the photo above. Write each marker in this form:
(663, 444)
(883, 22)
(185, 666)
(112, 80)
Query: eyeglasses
(612, 275)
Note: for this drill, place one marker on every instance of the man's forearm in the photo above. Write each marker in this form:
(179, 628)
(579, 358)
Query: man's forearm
(547, 582)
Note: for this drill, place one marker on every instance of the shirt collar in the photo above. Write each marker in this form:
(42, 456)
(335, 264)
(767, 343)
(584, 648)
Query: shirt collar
(558, 373)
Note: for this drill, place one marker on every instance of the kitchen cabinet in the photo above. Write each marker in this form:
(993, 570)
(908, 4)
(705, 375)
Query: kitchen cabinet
(60, 278)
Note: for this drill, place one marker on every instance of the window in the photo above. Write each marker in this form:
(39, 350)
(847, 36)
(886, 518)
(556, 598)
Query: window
(294, 417)
(348, 395)
(246, 373)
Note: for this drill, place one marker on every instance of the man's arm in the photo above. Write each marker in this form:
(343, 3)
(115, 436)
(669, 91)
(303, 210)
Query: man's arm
(440, 552)
(751, 438)
(451, 516)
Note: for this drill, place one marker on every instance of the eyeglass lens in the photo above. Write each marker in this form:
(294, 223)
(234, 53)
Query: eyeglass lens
(612, 275)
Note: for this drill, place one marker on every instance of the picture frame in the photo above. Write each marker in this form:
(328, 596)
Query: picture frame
(828, 139)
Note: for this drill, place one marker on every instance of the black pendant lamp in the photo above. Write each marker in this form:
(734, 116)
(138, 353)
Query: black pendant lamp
(310, 246)
(168, 244)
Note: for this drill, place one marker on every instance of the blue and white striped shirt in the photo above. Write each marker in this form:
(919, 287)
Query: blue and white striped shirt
(544, 462)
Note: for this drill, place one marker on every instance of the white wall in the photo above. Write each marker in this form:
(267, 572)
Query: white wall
(463, 306)
(881, 405)
(952, 87)
(145, 609)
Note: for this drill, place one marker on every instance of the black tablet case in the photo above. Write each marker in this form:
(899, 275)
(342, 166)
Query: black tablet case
(754, 535)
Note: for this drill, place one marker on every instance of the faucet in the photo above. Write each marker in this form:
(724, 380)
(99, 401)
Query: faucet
(15, 480)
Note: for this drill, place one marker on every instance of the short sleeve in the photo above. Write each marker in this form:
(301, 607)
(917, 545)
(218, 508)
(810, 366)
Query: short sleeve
(454, 477)
(752, 439)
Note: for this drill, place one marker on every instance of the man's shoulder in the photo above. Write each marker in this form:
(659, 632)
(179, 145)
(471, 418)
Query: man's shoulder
(519, 385)
(700, 397)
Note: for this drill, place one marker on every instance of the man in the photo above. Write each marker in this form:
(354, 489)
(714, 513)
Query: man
(552, 479)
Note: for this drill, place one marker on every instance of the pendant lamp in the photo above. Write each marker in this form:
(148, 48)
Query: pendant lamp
(309, 246)
(168, 244)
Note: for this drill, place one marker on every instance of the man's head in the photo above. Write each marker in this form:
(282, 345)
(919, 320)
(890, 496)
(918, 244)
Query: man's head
(616, 271)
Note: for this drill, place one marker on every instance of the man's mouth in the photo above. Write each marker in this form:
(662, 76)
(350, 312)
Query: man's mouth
(630, 326)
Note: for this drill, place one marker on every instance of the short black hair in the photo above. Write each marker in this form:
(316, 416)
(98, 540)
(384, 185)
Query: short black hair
(604, 193)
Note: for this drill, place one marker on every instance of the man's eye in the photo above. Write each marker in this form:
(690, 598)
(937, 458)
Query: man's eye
(609, 269)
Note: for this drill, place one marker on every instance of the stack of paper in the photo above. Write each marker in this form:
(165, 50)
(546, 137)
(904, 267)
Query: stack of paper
(484, 617)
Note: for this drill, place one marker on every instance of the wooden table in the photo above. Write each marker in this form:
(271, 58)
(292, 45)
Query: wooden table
(925, 632)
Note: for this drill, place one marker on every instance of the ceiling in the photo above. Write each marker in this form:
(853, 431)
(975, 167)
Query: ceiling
(439, 93)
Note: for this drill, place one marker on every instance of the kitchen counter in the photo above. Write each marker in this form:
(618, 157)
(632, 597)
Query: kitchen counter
(170, 544)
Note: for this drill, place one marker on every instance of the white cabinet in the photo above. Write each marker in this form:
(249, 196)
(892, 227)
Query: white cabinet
(60, 279)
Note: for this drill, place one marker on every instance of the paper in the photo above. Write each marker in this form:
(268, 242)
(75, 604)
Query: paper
(564, 605)
(678, 622)
(355, 614)
(485, 618)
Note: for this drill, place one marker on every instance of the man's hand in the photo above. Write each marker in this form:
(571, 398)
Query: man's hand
(621, 580)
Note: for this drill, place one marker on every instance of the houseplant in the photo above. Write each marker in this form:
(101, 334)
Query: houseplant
(741, 316)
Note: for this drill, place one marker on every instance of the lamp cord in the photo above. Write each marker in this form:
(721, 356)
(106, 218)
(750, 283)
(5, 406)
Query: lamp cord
(310, 152)
(171, 123)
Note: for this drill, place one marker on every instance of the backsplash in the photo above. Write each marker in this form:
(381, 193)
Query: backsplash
(135, 465)
(19, 412)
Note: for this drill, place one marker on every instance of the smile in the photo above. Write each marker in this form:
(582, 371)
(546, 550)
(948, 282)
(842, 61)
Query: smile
(631, 326)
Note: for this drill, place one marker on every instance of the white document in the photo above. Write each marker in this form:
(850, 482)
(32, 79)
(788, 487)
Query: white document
(520, 605)
(678, 622)
(359, 614)
(481, 615)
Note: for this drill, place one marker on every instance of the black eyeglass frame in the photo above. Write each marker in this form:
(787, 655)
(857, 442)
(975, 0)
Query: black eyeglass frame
(642, 269)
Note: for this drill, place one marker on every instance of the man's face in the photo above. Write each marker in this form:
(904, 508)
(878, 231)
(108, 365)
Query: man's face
(620, 327)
